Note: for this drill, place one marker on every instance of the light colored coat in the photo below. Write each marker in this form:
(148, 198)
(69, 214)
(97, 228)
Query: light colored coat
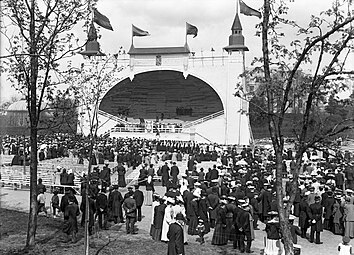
(167, 220)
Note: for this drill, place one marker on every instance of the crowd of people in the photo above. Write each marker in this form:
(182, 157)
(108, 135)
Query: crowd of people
(228, 199)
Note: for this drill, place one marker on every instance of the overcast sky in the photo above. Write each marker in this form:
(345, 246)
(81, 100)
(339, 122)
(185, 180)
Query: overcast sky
(165, 21)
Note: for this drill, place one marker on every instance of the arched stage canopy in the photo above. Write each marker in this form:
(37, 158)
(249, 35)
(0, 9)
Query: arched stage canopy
(153, 93)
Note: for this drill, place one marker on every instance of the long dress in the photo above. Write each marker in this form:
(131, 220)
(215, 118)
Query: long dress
(181, 209)
(121, 177)
(154, 204)
(193, 218)
(349, 220)
(219, 236)
(159, 213)
(167, 220)
(337, 218)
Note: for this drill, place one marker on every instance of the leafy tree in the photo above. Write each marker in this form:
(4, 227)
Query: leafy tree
(39, 37)
(324, 44)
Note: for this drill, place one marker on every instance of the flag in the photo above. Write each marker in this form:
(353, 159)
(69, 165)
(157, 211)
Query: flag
(139, 32)
(248, 11)
(191, 30)
(101, 20)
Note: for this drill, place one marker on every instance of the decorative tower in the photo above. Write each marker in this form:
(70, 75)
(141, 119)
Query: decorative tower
(237, 107)
(236, 39)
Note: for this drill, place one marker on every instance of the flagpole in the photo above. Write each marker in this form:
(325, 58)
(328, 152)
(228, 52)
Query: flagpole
(237, 6)
(132, 36)
(186, 33)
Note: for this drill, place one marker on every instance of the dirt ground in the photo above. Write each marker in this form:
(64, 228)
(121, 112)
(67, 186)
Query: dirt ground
(51, 240)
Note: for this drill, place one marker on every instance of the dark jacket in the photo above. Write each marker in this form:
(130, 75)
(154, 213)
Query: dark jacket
(129, 207)
(139, 197)
(316, 212)
(102, 202)
(176, 239)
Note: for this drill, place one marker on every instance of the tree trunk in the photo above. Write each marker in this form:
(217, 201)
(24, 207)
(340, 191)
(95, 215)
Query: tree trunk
(283, 212)
(32, 218)
(33, 119)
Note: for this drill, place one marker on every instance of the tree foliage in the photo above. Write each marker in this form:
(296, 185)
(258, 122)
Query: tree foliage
(39, 39)
(323, 47)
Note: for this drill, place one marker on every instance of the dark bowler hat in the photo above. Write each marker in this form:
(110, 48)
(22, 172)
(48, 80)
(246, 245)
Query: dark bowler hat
(180, 216)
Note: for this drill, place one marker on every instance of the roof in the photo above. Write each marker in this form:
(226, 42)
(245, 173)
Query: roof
(237, 23)
(159, 50)
(18, 106)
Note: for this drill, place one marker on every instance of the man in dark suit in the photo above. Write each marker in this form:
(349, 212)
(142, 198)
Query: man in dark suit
(174, 173)
(175, 236)
(315, 215)
(214, 173)
(129, 207)
(165, 176)
(102, 209)
(244, 228)
(105, 176)
(139, 199)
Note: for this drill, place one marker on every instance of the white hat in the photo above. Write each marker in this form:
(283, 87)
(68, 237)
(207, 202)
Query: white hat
(291, 217)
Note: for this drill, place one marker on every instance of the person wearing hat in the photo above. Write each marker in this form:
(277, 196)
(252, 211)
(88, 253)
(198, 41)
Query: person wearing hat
(348, 218)
(193, 213)
(273, 244)
(295, 231)
(345, 248)
(220, 236)
(245, 227)
(175, 236)
(165, 174)
(129, 193)
(213, 200)
(337, 216)
(168, 218)
(115, 200)
(265, 200)
(70, 219)
(328, 210)
(139, 199)
(102, 209)
(105, 176)
(315, 215)
(129, 206)
(304, 209)
(203, 211)
(121, 175)
(159, 212)
(174, 173)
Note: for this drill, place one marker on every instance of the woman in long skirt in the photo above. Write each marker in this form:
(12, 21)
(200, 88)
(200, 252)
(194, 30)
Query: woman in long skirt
(179, 208)
(220, 236)
(167, 219)
(193, 217)
(349, 219)
(159, 213)
(273, 243)
(337, 217)
(149, 190)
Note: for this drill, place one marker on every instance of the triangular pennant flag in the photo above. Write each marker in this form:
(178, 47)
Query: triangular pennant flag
(248, 11)
(139, 32)
(191, 30)
(101, 20)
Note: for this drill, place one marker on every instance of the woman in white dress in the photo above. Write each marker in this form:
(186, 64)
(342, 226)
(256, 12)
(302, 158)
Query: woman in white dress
(168, 218)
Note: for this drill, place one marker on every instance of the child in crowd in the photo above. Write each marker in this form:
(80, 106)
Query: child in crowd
(345, 248)
(201, 231)
(55, 203)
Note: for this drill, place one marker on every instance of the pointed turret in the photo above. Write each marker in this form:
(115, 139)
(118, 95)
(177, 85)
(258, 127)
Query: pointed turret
(236, 39)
